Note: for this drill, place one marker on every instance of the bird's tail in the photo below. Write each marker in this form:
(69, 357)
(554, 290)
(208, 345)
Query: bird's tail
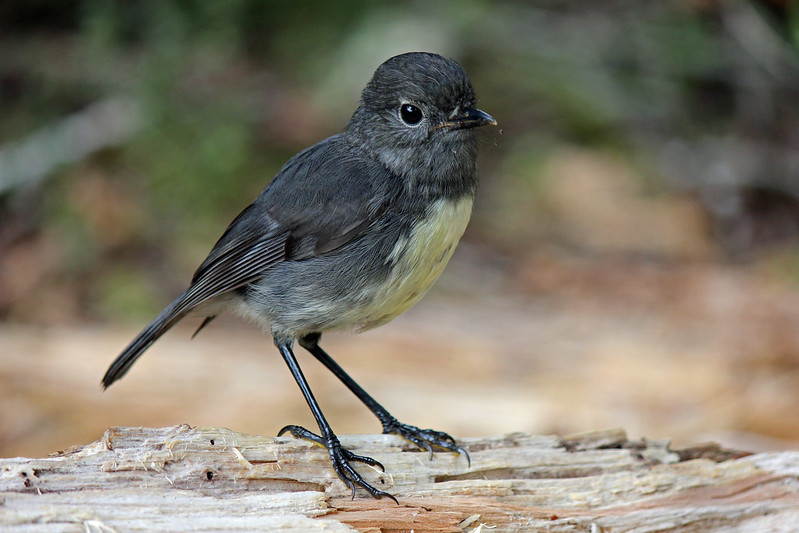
(165, 320)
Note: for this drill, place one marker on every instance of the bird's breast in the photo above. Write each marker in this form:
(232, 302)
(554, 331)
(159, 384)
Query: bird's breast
(418, 258)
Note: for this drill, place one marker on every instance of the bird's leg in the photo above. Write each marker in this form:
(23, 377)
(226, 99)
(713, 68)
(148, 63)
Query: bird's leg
(339, 456)
(426, 439)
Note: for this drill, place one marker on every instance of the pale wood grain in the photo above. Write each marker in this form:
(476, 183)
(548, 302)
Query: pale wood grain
(201, 479)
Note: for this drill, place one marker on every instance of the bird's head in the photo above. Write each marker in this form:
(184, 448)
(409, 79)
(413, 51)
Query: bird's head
(417, 116)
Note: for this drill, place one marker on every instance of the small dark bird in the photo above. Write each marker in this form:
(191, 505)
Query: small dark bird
(349, 234)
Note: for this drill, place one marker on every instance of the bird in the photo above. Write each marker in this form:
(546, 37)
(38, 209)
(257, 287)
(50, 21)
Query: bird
(350, 233)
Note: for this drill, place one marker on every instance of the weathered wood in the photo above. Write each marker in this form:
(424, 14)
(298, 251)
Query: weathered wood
(200, 479)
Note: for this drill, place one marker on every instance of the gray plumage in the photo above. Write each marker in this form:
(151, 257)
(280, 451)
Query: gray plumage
(353, 230)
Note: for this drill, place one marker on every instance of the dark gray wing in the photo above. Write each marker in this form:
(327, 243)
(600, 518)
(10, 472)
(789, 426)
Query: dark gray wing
(251, 244)
(323, 198)
(327, 196)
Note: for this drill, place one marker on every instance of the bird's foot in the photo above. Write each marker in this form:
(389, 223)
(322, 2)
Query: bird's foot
(426, 439)
(341, 457)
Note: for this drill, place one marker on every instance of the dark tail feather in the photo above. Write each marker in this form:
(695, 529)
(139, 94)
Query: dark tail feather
(165, 320)
(207, 320)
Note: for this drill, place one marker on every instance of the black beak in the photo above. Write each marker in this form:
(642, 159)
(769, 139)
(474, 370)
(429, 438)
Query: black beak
(470, 118)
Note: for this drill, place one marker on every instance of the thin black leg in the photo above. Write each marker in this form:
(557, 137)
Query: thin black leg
(425, 439)
(339, 456)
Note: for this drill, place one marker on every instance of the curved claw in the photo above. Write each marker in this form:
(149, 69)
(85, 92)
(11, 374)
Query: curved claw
(300, 432)
(461, 451)
(341, 457)
(426, 439)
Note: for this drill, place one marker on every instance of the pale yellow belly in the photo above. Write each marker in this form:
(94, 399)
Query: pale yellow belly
(418, 260)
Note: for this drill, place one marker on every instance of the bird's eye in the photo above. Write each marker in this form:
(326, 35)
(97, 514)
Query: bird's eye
(410, 114)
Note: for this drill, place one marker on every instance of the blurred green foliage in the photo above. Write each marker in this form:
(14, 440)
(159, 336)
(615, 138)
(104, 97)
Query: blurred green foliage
(229, 90)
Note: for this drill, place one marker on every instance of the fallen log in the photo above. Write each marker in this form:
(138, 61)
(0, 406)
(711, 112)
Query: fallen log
(199, 479)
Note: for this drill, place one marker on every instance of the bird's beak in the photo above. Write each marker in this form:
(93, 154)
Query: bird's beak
(470, 118)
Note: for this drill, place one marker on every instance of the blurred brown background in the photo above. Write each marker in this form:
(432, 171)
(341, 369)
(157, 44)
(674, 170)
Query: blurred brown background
(633, 259)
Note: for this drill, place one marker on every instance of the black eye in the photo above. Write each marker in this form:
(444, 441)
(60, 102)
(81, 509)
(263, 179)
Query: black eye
(410, 114)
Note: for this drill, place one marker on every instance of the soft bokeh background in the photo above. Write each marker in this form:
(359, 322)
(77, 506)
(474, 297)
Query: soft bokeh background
(632, 262)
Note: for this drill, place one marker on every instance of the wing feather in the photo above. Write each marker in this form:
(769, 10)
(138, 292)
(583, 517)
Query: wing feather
(323, 198)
